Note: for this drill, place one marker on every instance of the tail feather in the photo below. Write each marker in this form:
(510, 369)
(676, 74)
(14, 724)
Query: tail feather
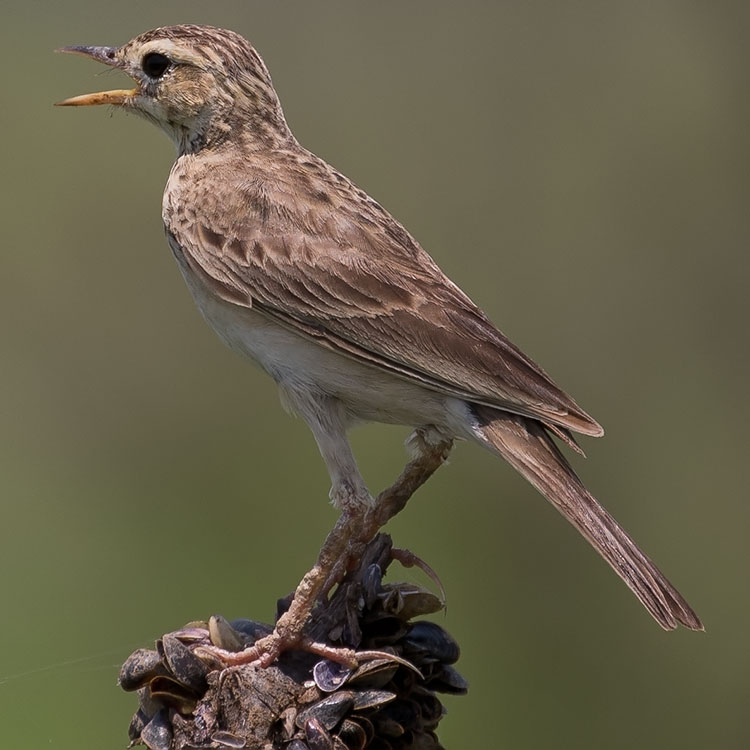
(527, 446)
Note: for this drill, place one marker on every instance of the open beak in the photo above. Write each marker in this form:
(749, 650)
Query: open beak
(106, 55)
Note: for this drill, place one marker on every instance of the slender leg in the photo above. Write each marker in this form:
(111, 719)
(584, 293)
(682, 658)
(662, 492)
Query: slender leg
(357, 525)
(327, 419)
(429, 449)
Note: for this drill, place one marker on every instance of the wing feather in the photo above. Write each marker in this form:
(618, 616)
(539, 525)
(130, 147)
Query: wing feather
(323, 259)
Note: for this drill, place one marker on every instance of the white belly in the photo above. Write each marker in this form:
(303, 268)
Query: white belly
(368, 393)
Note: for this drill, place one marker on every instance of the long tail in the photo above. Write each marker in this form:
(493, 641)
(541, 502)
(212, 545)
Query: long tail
(527, 446)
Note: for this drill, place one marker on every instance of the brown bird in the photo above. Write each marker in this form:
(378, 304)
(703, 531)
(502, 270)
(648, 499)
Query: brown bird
(300, 270)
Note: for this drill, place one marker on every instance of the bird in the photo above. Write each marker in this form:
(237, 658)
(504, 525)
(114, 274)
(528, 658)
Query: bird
(300, 270)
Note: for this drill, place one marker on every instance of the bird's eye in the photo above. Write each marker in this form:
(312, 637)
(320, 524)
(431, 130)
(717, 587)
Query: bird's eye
(155, 64)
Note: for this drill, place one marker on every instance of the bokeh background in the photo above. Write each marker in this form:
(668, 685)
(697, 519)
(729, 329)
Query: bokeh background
(581, 168)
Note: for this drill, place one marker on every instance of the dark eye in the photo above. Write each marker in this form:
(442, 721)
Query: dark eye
(155, 64)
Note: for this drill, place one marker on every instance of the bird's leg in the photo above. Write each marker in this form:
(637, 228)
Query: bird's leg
(327, 420)
(358, 523)
(429, 449)
(288, 632)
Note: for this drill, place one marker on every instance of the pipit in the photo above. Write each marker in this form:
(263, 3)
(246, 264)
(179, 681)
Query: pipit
(301, 271)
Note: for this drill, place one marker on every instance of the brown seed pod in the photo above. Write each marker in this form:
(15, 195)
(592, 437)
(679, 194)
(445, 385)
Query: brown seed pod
(353, 735)
(330, 676)
(157, 734)
(328, 711)
(186, 667)
(140, 668)
(373, 674)
(407, 601)
(316, 735)
(372, 699)
(166, 691)
(427, 643)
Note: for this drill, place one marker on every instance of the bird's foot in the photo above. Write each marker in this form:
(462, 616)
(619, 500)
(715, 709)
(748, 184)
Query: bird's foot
(267, 650)
(289, 632)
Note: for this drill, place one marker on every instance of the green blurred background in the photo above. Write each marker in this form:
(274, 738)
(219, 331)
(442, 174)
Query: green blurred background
(580, 168)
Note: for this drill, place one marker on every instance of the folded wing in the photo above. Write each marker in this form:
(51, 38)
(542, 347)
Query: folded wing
(343, 272)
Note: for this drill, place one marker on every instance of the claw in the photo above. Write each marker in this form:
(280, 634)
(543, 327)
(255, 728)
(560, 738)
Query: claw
(409, 560)
(363, 656)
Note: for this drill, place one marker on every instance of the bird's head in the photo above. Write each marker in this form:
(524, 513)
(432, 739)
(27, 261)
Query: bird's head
(201, 84)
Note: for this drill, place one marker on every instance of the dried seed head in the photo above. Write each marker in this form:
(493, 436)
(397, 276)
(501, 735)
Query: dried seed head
(298, 703)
